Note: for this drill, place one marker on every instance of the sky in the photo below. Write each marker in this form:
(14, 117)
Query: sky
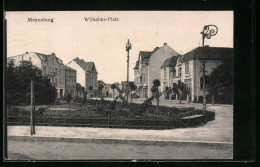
(103, 42)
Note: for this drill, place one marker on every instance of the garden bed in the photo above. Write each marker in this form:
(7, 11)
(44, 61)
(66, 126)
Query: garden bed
(97, 114)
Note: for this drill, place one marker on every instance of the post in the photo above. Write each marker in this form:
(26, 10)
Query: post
(127, 82)
(213, 99)
(4, 91)
(204, 94)
(203, 66)
(32, 108)
(128, 47)
(207, 32)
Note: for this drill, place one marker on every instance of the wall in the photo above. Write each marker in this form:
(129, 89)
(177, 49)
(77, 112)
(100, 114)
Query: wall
(26, 57)
(155, 62)
(71, 81)
(195, 74)
(80, 73)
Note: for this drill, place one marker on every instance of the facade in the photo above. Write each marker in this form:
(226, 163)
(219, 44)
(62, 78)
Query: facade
(70, 80)
(86, 75)
(168, 71)
(105, 89)
(50, 65)
(189, 67)
(148, 68)
(123, 85)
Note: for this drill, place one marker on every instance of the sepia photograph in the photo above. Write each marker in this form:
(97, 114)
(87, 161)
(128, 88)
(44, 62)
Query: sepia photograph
(119, 85)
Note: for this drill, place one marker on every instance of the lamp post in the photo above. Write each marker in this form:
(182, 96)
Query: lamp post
(207, 32)
(128, 47)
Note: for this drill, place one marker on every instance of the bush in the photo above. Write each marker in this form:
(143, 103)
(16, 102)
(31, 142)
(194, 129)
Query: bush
(40, 111)
(18, 111)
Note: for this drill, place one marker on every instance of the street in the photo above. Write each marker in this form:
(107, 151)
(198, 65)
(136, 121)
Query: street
(44, 150)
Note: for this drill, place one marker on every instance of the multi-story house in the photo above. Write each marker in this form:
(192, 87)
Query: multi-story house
(86, 75)
(189, 67)
(168, 71)
(70, 80)
(148, 68)
(50, 65)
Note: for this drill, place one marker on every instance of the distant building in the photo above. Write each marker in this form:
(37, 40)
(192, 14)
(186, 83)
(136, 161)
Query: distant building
(148, 68)
(104, 90)
(168, 71)
(71, 80)
(50, 65)
(189, 68)
(123, 85)
(87, 74)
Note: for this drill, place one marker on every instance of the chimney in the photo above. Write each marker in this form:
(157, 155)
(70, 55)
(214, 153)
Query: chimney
(156, 48)
(165, 43)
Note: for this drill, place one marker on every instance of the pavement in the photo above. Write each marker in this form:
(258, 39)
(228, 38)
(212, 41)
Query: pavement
(219, 131)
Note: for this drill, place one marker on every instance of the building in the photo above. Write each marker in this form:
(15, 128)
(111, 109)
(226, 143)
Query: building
(123, 85)
(70, 80)
(50, 65)
(148, 68)
(189, 67)
(105, 90)
(168, 71)
(86, 75)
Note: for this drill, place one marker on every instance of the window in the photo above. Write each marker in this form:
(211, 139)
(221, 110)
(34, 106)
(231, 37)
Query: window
(207, 80)
(56, 70)
(56, 80)
(49, 69)
(60, 81)
(60, 70)
(187, 68)
(164, 72)
(144, 79)
(141, 80)
(201, 66)
(44, 68)
(179, 71)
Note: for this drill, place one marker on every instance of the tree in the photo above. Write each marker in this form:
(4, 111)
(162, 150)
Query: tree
(221, 82)
(133, 87)
(155, 91)
(18, 85)
(68, 97)
(113, 86)
(179, 88)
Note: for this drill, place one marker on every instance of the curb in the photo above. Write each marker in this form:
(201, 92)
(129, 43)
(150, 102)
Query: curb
(124, 141)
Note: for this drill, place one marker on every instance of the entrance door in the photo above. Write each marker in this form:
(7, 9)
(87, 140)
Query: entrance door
(61, 92)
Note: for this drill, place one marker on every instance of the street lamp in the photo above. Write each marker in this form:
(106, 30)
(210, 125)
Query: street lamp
(207, 32)
(128, 47)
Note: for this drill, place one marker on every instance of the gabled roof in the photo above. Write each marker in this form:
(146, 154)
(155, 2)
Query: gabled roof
(171, 62)
(43, 57)
(210, 53)
(136, 65)
(145, 56)
(86, 66)
(68, 68)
